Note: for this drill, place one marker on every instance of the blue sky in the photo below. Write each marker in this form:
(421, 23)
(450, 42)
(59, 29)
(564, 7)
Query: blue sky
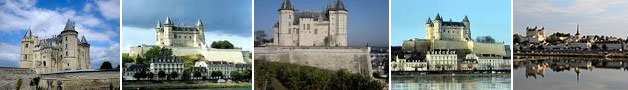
(222, 19)
(98, 21)
(367, 19)
(596, 17)
(487, 17)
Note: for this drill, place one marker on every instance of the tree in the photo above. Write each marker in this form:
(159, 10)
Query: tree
(190, 60)
(235, 75)
(161, 74)
(485, 39)
(260, 38)
(155, 51)
(35, 83)
(106, 66)
(19, 84)
(516, 38)
(126, 58)
(173, 75)
(222, 44)
(217, 74)
(138, 75)
(150, 75)
(197, 74)
(185, 76)
(604, 47)
(594, 47)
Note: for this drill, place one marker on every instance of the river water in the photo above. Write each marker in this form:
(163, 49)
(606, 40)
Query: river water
(562, 73)
(453, 82)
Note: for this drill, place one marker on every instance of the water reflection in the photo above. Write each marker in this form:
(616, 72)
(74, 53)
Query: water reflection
(557, 72)
(453, 82)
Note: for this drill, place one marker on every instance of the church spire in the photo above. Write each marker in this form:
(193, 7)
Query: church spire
(578, 29)
(286, 5)
(466, 19)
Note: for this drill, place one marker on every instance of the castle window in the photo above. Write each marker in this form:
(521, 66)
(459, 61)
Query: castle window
(308, 26)
(66, 52)
(26, 56)
(26, 45)
(66, 38)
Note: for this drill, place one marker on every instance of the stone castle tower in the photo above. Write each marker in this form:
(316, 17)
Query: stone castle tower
(311, 28)
(169, 34)
(58, 53)
(438, 29)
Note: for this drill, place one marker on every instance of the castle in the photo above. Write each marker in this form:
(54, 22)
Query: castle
(451, 35)
(61, 52)
(169, 34)
(187, 40)
(536, 35)
(438, 29)
(311, 28)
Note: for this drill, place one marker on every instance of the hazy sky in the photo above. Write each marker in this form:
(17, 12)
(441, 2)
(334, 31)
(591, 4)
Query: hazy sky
(367, 19)
(487, 18)
(222, 20)
(596, 17)
(98, 21)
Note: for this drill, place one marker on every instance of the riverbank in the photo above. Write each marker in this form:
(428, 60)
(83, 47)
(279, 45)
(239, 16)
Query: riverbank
(399, 75)
(599, 55)
(182, 85)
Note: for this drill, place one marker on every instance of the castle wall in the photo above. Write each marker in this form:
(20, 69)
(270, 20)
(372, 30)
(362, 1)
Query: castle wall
(352, 59)
(489, 48)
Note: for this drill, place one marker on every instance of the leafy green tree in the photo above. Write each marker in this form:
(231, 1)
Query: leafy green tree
(604, 47)
(155, 51)
(485, 39)
(197, 74)
(516, 38)
(106, 66)
(126, 58)
(19, 84)
(222, 45)
(190, 60)
(35, 83)
(173, 75)
(217, 74)
(150, 75)
(235, 75)
(185, 76)
(161, 74)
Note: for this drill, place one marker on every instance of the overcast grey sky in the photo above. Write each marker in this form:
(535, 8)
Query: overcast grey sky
(596, 17)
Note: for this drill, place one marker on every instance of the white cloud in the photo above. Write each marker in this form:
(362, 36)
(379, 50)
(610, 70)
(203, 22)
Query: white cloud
(109, 8)
(101, 54)
(132, 36)
(9, 54)
(18, 15)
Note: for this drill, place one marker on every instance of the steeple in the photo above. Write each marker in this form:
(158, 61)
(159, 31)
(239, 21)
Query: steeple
(199, 23)
(69, 25)
(286, 5)
(340, 5)
(577, 29)
(168, 20)
(438, 17)
(466, 19)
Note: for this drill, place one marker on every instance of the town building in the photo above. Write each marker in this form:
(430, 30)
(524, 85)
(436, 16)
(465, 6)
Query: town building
(167, 64)
(225, 67)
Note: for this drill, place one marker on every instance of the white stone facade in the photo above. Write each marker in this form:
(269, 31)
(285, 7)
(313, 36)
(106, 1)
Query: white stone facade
(168, 64)
(534, 35)
(442, 60)
(61, 52)
(438, 29)
(311, 28)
